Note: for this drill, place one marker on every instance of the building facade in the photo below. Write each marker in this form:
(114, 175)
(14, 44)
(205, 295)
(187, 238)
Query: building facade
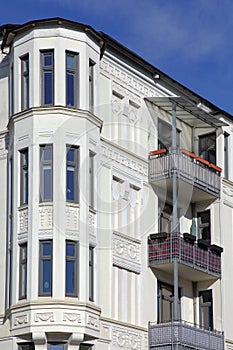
(116, 199)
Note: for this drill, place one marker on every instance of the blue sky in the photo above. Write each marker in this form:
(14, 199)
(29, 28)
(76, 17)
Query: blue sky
(190, 40)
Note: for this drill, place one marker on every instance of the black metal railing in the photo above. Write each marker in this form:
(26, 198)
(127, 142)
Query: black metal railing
(164, 248)
(186, 335)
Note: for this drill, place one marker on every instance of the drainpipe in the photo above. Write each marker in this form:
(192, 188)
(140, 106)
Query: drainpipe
(175, 220)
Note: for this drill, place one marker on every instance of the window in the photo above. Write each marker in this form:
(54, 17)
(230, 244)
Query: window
(23, 271)
(46, 173)
(12, 90)
(28, 346)
(91, 273)
(24, 176)
(25, 82)
(45, 272)
(47, 77)
(91, 85)
(71, 79)
(71, 268)
(226, 155)
(166, 218)
(91, 179)
(165, 135)
(72, 167)
(165, 302)
(207, 147)
(206, 309)
(56, 346)
(204, 231)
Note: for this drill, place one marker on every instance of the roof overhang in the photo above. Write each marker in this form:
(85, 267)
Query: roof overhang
(187, 111)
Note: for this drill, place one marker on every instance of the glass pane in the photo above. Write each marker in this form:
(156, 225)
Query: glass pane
(70, 249)
(70, 61)
(56, 347)
(48, 87)
(70, 271)
(70, 183)
(47, 184)
(70, 154)
(47, 153)
(70, 89)
(48, 59)
(23, 279)
(25, 186)
(46, 249)
(46, 280)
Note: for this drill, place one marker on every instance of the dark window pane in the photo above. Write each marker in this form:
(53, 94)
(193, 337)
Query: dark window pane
(48, 87)
(46, 249)
(56, 347)
(47, 184)
(46, 276)
(48, 60)
(70, 183)
(70, 249)
(70, 61)
(70, 271)
(70, 154)
(47, 153)
(70, 89)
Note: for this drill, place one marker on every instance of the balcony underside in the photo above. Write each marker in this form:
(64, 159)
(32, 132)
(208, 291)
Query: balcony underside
(186, 336)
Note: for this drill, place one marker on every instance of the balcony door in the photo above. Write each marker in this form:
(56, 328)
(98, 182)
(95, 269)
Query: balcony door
(204, 231)
(207, 147)
(165, 219)
(206, 309)
(165, 302)
(165, 135)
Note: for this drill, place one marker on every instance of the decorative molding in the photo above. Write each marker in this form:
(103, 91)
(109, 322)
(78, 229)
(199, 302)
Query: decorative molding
(21, 320)
(125, 339)
(228, 190)
(128, 81)
(118, 157)
(44, 317)
(93, 321)
(45, 217)
(124, 92)
(72, 218)
(71, 317)
(126, 253)
(23, 220)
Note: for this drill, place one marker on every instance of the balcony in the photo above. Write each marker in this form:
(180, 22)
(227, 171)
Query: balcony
(185, 335)
(197, 261)
(203, 177)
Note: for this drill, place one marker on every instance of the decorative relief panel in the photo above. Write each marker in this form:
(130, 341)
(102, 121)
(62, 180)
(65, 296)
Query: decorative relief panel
(72, 218)
(23, 220)
(45, 217)
(44, 317)
(125, 79)
(93, 321)
(71, 317)
(20, 320)
(126, 253)
(127, 340)
(115, 156)
(92, 226)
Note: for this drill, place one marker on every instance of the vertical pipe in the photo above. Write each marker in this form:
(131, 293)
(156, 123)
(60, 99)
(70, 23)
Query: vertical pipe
(174, 217)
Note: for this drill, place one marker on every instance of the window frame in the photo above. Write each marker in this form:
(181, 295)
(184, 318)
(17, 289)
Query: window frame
(91, 179)
(22, 266)
(206, 152)
(206, 307)
(74, 259)
(26, 346)
(161, 298)
(42, 258)
(43, 164)
(75, 72)
(43, 69)
(204, 225)
(91, 81)
(75, 166)
(24, 171)
(91, 272)
(25, 82)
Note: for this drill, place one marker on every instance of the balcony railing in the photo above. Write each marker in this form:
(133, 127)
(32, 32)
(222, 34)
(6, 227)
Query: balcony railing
(164, 248)
(187, 336)
(188, 167)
